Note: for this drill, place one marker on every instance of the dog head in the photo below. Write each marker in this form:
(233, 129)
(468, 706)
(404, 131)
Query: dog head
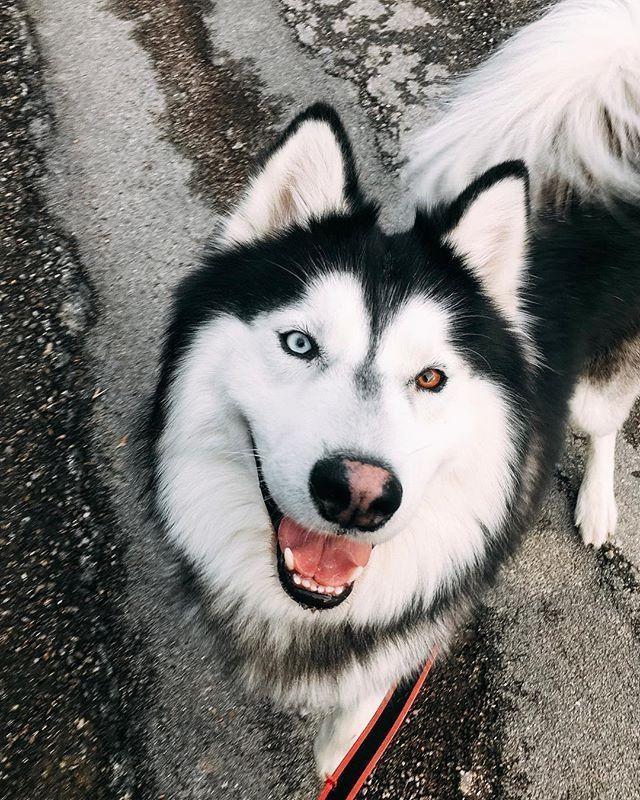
(337, 426)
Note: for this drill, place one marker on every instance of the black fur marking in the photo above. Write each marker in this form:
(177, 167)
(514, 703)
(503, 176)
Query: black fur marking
(367, 380)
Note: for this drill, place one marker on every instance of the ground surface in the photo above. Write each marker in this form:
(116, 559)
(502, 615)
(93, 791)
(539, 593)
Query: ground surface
(127, 127)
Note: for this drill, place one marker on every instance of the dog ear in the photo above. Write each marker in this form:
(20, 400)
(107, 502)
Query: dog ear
(309, 173)
(487, 227)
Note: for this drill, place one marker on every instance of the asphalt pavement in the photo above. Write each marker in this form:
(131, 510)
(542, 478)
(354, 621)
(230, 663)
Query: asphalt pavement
(131, 125)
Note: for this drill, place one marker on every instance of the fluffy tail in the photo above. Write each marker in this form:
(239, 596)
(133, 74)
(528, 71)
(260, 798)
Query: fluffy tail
(563, 94)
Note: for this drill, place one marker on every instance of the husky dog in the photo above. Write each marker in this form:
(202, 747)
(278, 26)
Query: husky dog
(352, 430)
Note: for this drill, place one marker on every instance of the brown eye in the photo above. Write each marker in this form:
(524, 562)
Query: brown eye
(430, 379)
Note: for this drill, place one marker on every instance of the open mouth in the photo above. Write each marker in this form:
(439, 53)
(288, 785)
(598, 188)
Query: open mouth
(316, 570)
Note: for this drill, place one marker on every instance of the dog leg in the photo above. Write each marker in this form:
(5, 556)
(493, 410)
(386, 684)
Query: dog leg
(596, 510)
(599, 407)
(338, 732)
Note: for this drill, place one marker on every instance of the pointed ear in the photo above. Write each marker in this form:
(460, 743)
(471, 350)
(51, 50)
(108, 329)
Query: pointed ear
(487, 226)
(308, 174)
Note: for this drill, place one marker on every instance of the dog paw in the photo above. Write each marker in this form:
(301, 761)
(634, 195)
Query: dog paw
(596, 514)
(331, 745)
(339, 731)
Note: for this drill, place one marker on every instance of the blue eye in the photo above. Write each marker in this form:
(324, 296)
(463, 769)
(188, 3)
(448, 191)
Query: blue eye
(298, 344)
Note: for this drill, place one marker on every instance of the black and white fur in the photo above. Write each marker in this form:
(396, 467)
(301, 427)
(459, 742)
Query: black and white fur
(522, 286)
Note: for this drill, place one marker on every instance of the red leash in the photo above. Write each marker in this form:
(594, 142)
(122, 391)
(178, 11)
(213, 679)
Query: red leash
(367, 750)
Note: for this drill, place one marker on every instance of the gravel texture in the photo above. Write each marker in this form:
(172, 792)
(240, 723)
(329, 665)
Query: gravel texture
(67, 687)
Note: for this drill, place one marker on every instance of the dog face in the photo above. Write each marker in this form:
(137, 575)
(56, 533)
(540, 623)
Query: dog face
(336, 427)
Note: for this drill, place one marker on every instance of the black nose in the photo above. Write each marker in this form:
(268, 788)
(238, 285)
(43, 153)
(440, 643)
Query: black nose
(354, 493)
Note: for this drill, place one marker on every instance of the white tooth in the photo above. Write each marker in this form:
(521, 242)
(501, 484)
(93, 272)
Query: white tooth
(330, 589)
(306, 583)
(339, 589)
(357, 573)
(321, 589)
(288, 558)
(313, 586)
(297, 579)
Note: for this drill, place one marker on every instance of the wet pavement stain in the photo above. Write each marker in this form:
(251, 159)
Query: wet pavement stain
(620, 581)
(68, 691)
(217, 113)
(402, 55)
(450, 745)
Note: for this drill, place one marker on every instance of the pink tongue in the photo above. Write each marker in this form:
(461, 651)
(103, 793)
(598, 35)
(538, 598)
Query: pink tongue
(329, 560)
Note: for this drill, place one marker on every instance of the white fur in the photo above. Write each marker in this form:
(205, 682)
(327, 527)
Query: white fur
(599, 410)
(339, 730)
(544, 97)
(303, 179)
(444, 447)
(453, 451)
(596, 511)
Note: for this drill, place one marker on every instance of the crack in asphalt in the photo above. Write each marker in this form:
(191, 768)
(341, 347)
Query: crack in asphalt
(402, 54)
(70, 694)
(451, 745)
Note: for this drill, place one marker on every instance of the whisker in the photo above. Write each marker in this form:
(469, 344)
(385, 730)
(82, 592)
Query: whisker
(417, 450)
(285, 269)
